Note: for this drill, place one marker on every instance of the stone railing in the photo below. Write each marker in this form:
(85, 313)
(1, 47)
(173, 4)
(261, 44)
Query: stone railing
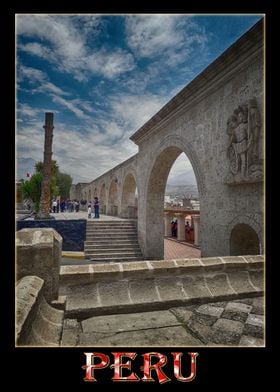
(37, 323)
(138, 286)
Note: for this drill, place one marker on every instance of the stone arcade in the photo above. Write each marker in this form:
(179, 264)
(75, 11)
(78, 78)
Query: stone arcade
(217, 120)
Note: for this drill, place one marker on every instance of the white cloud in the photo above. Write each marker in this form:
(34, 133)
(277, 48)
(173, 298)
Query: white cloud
(68, 46)
(110, 64)
(169, 36)
(70, 106)
(135, 110)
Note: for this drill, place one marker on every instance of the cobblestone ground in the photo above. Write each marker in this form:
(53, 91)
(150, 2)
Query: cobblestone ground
(238, 322)
(230, 323)
(179, 250)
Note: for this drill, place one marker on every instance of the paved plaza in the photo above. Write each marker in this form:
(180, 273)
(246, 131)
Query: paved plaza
(228, 323)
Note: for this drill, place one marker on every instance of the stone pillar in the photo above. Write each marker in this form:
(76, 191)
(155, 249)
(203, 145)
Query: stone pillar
(167, 224)
(196, 220)
(44, 211)
(181, 231)
(39, 253)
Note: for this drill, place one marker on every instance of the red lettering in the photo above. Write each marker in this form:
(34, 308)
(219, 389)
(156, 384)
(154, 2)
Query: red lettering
(91, 366)
(147, 368)
(119, 365)
(177, 367)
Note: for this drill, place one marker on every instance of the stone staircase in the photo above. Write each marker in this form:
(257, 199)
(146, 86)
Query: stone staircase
(112, 241)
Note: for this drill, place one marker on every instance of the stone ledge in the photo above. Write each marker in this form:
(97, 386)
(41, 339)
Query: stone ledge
(161, 292)
(70, 274)
(37, 323)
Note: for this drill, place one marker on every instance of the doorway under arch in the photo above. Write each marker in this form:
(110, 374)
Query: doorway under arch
(244, 241)
(155, 193)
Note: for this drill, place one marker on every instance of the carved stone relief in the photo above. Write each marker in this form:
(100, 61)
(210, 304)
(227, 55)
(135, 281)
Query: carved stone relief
(244, 149)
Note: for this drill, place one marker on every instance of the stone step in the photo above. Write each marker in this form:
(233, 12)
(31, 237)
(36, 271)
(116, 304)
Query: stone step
(110, 229)
(114, 254)
(113, 241)
(111, 236)
(110, 259)
(111, 246)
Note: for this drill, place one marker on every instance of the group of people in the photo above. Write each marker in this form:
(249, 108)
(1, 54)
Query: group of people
(65, 206)
(174, 226)
(96, 209)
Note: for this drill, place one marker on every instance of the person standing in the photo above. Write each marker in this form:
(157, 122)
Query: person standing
(96, 207)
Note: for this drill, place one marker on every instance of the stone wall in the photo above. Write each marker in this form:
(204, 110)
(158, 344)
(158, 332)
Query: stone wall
(39, 253)
(73, 232)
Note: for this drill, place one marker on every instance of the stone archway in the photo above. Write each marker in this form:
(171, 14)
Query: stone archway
(113, 198)
(129, 199)
(244, 241)
(244, 233)
(169, 151)
(102, 199)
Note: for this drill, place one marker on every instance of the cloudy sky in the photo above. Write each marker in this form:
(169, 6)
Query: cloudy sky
(103, 77)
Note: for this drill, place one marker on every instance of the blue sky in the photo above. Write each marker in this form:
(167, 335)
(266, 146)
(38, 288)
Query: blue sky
(103, 77)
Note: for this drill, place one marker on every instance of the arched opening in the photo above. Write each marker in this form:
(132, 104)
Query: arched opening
(113, 198)
(244, 241)
(89, 196)
(95, 193)
(102, 199)
(156, 219)
(129, 198)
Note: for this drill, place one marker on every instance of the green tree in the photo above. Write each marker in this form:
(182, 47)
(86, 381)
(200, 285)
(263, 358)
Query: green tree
(39, 167)
(64, 182)
(31, 189)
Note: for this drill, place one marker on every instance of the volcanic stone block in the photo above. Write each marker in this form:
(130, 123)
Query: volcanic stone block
(39, 253)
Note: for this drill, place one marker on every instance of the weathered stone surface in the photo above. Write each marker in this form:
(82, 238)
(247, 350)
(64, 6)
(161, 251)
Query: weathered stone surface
(170, 288)
(39, 253)
(240, 282)
(226, 331)
(257, 279)
(143, 290)
(238, 307)
(81, 298)
(251, 341)
(258, 305)
(129, 322)
(113, 293)
(182, 314)
(210, 310)
(37, 323)
(175, 336)
(218, 285)
(71, 332)
(195, 287)
(255, 319)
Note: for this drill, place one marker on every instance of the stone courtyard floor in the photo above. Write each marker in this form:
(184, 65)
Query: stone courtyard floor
(230, 323)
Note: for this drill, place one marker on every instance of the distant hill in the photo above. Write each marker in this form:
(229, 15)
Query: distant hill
(186, 178)
(25, 165)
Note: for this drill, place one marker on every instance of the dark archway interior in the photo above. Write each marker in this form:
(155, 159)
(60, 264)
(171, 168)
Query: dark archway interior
(244, 241)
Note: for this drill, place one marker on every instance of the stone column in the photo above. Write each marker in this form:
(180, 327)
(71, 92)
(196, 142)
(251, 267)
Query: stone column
(45, 193)
(181, 231)
(167, 224)
(196, 221)
(39, 254)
